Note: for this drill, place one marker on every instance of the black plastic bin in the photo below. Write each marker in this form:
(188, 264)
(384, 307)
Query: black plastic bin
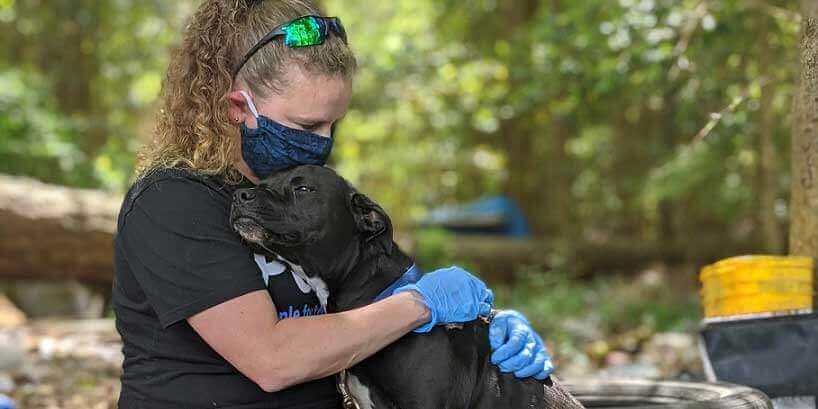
(777, 355)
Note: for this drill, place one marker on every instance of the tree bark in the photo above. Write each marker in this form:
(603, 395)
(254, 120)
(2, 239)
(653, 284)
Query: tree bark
(804, 202)
(52, 232)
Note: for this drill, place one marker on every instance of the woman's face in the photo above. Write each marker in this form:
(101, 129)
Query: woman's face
(309, 102)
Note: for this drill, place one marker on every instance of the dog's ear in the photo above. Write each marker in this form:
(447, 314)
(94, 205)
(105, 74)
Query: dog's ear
(369, 217)
(371, 220)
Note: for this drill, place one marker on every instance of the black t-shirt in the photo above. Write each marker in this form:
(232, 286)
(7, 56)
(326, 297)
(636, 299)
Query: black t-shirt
(175, 256)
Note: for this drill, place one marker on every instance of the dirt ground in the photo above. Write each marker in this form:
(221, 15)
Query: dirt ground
(63, 364)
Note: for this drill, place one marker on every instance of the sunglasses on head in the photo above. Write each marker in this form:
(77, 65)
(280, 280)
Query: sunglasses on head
(305, 31)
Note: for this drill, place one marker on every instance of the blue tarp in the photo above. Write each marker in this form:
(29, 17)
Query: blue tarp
(497, 215)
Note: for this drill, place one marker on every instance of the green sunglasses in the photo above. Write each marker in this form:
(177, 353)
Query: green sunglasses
(305, 31)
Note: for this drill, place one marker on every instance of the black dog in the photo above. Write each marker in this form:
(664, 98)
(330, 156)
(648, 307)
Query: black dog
(341, 242)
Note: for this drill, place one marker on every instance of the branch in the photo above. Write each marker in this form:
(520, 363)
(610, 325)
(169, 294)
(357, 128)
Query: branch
(716, 117)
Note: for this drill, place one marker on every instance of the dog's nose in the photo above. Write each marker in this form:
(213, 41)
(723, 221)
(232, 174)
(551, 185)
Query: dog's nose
(245, 195)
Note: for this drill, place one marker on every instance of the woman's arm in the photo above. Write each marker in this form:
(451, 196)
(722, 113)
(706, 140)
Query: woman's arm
(276, 354)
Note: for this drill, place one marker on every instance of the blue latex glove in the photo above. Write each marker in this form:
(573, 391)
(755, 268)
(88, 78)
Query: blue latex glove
(6, 402)
(453, 295)
(517, 347)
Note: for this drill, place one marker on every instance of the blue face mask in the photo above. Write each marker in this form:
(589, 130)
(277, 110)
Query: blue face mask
(273, 146)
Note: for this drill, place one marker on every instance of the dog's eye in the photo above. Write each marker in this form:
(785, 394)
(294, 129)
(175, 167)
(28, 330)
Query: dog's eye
(304, 189)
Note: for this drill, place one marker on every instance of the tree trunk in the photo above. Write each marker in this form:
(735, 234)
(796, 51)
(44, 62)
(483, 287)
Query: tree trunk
(804, 205)
(52, 232)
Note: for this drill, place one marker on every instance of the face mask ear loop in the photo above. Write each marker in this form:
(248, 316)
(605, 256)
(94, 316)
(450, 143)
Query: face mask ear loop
(249, 103)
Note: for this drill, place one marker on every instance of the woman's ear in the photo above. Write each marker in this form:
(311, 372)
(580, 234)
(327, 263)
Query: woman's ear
(238, 112)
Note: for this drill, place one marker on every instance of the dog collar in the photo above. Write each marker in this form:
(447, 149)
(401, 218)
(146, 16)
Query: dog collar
(411, 276)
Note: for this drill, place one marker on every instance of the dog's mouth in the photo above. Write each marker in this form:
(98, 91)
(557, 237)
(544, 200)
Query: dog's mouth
(250, 230)
(253, 232)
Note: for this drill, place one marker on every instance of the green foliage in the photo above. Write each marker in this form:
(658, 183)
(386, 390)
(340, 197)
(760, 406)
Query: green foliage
(37, 141)
(589, 107)
(434, 248)
(79, 80)
(572, 312)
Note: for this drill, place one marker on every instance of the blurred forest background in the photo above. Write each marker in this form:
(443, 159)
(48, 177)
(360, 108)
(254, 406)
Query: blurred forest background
(641, 138)
(589, 114)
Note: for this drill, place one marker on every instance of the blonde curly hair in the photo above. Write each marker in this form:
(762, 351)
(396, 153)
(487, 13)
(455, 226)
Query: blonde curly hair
(193, 130)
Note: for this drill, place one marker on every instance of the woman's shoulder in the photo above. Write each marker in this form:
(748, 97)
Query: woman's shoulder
(178, 188)
(177, 177)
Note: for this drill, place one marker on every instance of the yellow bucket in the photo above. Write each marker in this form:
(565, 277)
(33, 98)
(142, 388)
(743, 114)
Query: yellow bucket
(756, 285)
(728, 289)
(756, 304)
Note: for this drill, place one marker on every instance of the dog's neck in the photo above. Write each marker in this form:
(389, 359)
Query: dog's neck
(373, 273)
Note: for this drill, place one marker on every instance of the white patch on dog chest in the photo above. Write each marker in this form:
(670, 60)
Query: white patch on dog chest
(318, 285)
(359, 392)
(268, 269)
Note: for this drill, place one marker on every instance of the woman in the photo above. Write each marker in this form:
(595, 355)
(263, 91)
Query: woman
(204, 322)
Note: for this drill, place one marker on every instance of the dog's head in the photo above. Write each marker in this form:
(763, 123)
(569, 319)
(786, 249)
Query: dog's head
(311, 216)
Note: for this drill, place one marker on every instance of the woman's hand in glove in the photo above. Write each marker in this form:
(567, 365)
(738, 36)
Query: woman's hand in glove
(452, 295)
(517, 347)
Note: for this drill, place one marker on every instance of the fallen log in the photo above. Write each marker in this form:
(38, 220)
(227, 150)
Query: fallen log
(51, 232)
